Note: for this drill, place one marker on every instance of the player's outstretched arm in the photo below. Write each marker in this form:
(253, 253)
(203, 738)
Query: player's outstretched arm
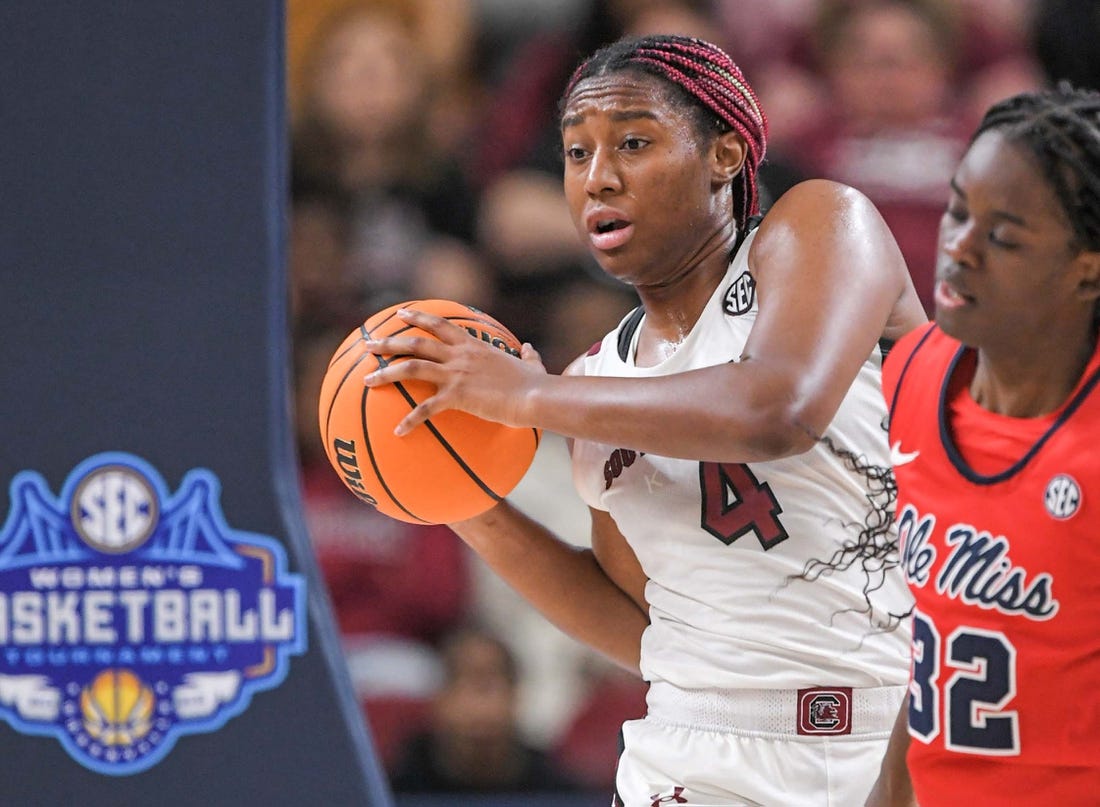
(573, 587)
(831, 282)
(893, 787)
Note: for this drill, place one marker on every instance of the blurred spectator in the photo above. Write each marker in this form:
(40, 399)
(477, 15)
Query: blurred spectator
(588, 748)
(396, 588)
(881, 94)
(365, 132)
(578, 316)
(995, 32)
(764, 33)
(472, 744)
(997, 58)
(323, 293)
(446, 33)
(888, 125)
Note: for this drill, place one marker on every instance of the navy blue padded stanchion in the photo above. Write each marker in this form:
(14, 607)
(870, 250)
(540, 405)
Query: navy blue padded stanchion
(164, 634)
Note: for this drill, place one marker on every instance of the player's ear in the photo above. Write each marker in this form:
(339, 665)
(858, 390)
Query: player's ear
(1088, 275)
(728, 157)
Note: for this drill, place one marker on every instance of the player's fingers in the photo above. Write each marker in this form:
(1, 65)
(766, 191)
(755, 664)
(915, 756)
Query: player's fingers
(422, 412)
(404, 370)
(445, 331)
(527, 352)
(420, 346)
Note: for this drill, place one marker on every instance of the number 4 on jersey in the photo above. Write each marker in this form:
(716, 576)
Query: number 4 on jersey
(735, 502)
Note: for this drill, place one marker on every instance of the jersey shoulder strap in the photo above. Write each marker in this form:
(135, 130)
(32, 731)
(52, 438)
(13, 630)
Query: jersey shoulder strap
(626, 331)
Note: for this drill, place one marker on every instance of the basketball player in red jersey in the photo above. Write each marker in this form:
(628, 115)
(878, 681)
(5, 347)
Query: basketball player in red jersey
(994, 428)
(726, 434)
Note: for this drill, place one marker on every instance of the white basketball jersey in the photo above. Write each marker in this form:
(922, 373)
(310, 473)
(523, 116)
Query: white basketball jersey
(721, 543)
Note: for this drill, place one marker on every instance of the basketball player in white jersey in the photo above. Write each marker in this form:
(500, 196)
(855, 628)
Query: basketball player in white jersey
(728, 437)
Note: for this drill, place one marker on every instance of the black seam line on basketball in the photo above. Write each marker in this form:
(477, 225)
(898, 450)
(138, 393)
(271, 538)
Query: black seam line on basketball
(337, 356)
(374, 463)
(345, 351)
(450, 450)
(336, 394)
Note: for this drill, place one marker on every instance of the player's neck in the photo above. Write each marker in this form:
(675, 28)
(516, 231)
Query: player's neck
(1018, 387)
(673, 310)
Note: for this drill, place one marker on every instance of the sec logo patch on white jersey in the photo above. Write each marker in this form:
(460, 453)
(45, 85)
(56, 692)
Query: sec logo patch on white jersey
(740, 295)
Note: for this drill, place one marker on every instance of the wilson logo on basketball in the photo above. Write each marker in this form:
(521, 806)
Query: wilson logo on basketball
(348, 463)
(493, 340)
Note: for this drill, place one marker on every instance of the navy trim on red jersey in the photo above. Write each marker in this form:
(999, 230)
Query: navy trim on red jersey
(905, 367)
(955, 456)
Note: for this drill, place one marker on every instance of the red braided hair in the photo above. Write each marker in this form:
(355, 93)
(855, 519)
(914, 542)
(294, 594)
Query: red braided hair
(709, 78)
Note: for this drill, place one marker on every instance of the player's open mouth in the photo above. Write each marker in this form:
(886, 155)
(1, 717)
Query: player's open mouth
(949, 297)
(610, 233)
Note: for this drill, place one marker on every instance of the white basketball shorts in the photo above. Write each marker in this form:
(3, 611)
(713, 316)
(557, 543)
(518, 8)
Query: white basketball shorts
(818, 747)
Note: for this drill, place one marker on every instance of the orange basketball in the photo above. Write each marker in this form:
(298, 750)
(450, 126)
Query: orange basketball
(454, 466)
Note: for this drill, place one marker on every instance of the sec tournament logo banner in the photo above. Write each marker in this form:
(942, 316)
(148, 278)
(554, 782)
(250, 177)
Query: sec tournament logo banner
(130, 617)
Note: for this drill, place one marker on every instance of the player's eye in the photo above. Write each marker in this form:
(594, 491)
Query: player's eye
(956, 211)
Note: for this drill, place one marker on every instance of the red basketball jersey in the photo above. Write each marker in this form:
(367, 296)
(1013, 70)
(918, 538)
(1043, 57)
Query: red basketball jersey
(1005, 572)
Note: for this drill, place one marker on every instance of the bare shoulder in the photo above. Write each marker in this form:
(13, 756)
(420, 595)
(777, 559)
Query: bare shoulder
(826, 227)
(825, 239)
(823, 210)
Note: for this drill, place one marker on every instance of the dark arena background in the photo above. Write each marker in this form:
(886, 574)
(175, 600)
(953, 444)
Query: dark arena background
(142, 240)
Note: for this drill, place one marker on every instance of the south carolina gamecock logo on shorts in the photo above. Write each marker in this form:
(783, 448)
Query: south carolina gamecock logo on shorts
(130, 617)
(825, 710)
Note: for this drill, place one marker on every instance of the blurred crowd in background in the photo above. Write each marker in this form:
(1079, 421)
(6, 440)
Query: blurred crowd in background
(426, 163)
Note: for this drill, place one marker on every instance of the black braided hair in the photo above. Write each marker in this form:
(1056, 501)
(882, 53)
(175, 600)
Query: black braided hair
(875, 546)
(1061, 128)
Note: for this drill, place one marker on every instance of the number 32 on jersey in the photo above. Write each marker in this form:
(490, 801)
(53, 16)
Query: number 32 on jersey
(969, 678)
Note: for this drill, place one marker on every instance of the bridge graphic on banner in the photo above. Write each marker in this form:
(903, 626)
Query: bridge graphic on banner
(130, 616)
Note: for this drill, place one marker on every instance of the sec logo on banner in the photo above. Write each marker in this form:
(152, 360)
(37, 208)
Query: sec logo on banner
(130, 616)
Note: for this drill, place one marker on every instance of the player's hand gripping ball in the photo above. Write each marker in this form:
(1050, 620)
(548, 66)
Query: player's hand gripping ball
(454, 466)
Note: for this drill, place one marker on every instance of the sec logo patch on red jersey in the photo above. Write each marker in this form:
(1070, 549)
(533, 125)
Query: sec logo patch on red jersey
(1062, 497)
